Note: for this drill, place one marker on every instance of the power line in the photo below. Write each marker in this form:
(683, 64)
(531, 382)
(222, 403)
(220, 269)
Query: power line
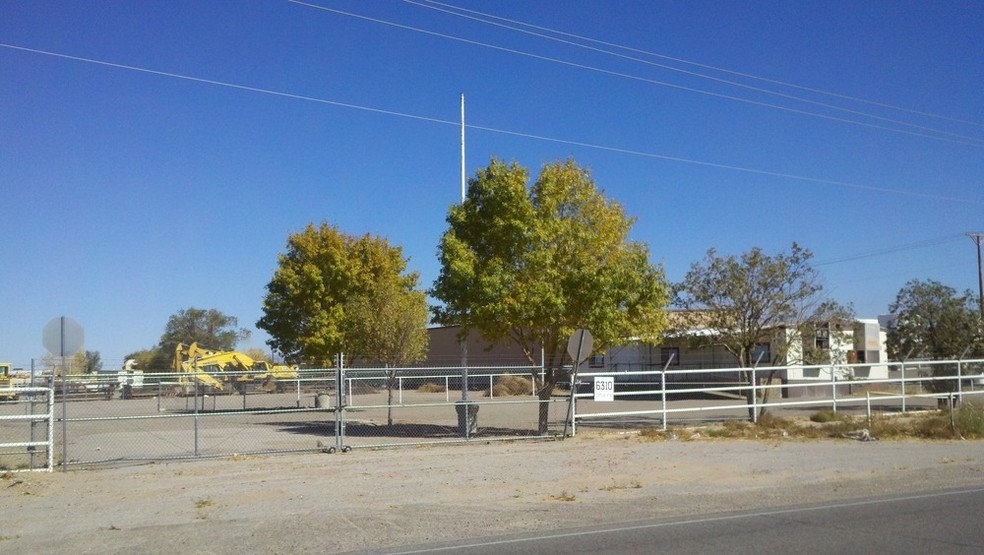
(225, 84)
(492, 129)
(671, 68)
(717, 165)
(892, 250)
(978, 238)
(693, 63)
(977, 143)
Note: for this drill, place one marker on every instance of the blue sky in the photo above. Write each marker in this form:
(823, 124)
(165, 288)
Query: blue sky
(155, 155)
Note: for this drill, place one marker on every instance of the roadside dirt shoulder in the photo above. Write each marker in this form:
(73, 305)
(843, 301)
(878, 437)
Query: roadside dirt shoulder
(373, 499)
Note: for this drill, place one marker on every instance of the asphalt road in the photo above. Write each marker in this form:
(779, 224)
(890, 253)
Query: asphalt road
(937, 522)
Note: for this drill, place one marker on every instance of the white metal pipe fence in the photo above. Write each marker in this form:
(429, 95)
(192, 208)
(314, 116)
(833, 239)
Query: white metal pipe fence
(728, 393)
(23, 446)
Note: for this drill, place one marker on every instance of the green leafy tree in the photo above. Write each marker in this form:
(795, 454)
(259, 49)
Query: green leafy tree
(87, 362)
(306, 309)
(534, 264)
(155, 359)
(933, 320)
(210, 328)
(389, 324)
(746, 300)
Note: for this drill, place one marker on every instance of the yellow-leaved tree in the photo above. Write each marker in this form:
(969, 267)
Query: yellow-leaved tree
(321, 299)
(533, 263)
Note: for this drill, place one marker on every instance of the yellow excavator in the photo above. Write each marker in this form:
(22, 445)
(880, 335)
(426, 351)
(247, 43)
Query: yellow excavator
(216, 368)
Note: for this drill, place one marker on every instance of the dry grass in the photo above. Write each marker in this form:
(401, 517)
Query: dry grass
(564, 496)
(507, 386)
(431, 388)
(634, 484)
(824, 416)
(201, 504)
(967, 423)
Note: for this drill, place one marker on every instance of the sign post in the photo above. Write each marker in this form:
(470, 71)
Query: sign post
(63, 337)
(579, 346)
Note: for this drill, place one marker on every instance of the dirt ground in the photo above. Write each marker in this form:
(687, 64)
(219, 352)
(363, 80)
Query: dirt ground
(368, 500)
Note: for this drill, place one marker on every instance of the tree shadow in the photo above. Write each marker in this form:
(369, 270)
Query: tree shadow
(417, 431)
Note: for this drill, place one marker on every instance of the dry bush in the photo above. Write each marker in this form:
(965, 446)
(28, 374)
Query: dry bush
(968, 423)
(770, 421)
(431, 388)
(824, 416)
(507, 386)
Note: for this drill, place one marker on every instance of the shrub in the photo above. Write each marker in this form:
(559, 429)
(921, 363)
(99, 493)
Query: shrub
(826, 415)
(507, 386)
(970, 421)
(771, 421)
(431, 388)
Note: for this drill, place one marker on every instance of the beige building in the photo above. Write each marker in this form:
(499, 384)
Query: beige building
(850, 349)
(444, 349)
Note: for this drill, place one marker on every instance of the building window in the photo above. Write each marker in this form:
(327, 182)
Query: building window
(596, 361)
(822, 336)
(669, 354)
(761, 354)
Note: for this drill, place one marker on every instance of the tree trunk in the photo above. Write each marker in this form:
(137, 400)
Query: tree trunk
(545, 386)
(766, 392)
(390, 382)
(748, 378)
(750, 400)
(544, 395)
(751, 394)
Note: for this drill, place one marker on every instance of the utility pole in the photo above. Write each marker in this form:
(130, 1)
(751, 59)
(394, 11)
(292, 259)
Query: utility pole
(464, 341)
(978, 238)
(463, 148)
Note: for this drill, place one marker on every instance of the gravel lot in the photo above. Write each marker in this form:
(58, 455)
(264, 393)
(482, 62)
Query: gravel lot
(369, 500)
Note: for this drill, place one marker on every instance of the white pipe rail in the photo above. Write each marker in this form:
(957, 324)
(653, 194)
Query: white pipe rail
(48, 417)
(910, 386)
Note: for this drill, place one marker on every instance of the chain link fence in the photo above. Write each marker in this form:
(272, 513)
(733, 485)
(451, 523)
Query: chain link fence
(132, 417)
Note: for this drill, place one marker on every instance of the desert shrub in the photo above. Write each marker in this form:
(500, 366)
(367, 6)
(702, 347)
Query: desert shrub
(771, 421)
(823, 416)
(721, 432)
(654, 434)
(933, 427)
(431, 388)
(969, 420)
(735, 425)
(506, 386)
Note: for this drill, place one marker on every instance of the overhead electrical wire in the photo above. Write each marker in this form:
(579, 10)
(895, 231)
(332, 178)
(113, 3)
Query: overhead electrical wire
(717, 165)
(225, 84)
(926, 243)
(452, 7)
(977, 143)
(424, 4)
(620, 150)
